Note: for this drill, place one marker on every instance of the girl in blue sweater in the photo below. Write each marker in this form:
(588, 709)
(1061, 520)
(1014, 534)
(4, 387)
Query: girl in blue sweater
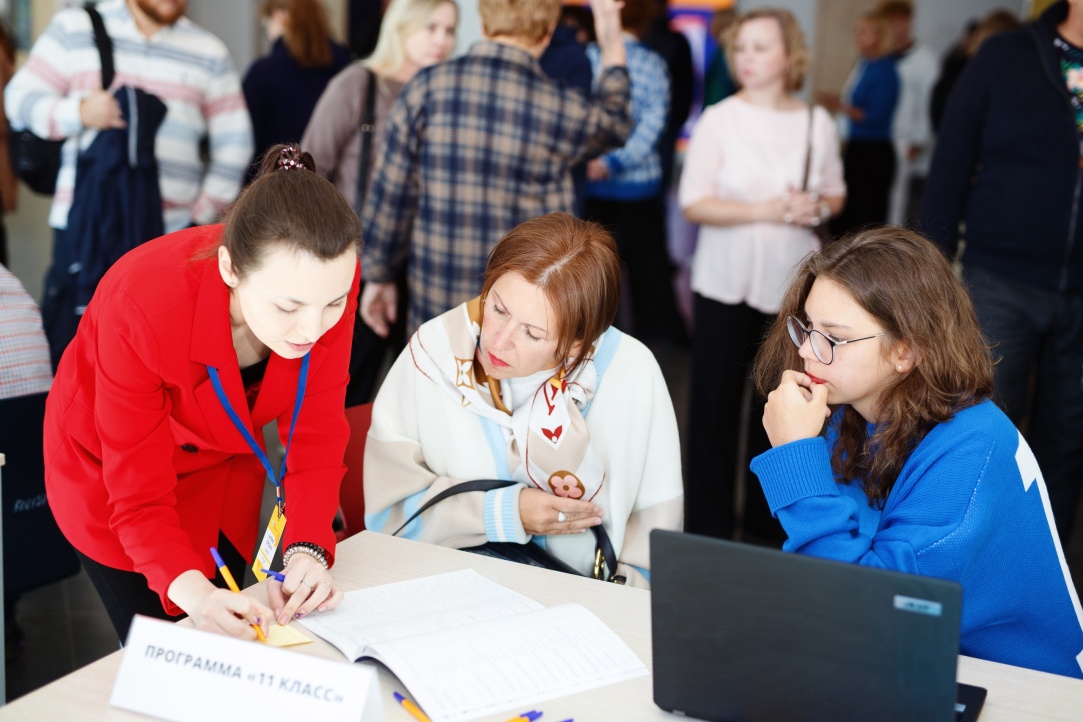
(917, 471)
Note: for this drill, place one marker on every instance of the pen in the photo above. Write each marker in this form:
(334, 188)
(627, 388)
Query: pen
(526, 716)
(412, 708)
(233, 587)
(278, 576)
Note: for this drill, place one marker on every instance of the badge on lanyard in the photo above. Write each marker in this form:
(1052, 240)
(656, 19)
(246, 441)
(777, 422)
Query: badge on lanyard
(275, 526)
(277, 523)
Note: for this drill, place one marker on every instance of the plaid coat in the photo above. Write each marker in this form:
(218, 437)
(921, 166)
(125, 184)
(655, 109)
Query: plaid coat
(473, 147)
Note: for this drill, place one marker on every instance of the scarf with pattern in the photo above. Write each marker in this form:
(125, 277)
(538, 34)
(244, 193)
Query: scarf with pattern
(548, 442)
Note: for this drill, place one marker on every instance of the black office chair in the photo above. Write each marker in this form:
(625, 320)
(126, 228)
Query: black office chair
(35, 552)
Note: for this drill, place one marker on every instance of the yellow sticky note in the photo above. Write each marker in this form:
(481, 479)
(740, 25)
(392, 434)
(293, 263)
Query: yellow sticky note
(280, 636)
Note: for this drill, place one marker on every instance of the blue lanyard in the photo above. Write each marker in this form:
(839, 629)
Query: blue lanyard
(302, 382)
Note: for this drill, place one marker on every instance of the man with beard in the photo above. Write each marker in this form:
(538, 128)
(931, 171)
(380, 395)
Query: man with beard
(57, 94)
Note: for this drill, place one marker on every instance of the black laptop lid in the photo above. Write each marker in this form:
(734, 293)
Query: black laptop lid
(743, 634)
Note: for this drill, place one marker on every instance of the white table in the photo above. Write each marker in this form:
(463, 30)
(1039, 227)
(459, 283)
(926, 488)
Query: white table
(368, 559)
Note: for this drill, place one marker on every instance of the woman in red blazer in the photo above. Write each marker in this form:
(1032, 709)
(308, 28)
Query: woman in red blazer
(147, 465)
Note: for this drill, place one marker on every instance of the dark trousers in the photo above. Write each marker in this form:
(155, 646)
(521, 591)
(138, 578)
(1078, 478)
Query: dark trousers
(869, 168)
(639, 228)
(126, 594)
(368, 352)
(725, 342)
(1038, 334)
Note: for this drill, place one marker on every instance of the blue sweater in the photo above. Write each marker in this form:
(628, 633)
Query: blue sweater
(970, 505)
(1007, 163)
(876, 93)
(635, 169)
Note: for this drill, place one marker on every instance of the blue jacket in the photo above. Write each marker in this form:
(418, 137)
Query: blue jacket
(1007, 163)
(565, 59)
(281, 95)
(117, 204)
(970, 505)
(876, 93)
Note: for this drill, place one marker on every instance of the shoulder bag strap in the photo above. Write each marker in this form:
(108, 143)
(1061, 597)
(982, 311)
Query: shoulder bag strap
(104, 43)
(604, 553)
(808, 147)
(475, 485)
(368, 129)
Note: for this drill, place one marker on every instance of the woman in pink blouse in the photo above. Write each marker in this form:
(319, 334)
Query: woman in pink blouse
(744, 182)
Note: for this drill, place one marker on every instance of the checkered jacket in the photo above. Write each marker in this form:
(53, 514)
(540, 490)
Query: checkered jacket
(473, 147)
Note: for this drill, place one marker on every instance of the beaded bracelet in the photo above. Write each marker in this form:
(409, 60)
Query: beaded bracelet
(314, 551)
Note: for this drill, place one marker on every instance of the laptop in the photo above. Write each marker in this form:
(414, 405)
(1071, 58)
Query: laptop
(747, 634)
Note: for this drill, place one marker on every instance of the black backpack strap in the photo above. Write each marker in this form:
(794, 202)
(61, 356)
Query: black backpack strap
(475, 485)
(368, 129)
(104, 43)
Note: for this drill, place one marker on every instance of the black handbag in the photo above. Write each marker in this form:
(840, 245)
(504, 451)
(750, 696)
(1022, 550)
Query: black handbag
(530, 553)
(37, 160)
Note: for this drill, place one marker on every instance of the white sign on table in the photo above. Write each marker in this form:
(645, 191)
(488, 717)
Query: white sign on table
(185, 675)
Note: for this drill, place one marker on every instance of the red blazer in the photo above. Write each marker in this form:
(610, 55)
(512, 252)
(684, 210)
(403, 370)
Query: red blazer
(143, 466)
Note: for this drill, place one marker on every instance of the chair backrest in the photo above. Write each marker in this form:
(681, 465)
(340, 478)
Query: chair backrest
(351, 497)
(27, 519)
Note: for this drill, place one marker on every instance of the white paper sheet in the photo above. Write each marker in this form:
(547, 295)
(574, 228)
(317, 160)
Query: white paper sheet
(510, 663)
(404, 609)
(466, 646)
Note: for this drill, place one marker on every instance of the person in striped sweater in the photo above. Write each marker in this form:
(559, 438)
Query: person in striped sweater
(57, 94)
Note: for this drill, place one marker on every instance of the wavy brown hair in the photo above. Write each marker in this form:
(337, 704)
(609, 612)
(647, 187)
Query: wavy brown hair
(905, 283)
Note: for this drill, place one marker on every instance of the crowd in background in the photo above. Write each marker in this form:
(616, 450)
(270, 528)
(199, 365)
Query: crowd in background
(441, 157)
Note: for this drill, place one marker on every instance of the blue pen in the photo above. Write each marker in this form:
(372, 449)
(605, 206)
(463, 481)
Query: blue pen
(278, 576)
(530, 716)
(412, 708)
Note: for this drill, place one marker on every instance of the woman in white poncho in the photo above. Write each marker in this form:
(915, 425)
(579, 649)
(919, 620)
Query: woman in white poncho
(530, 383)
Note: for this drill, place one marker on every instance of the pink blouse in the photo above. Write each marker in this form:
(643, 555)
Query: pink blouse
(743, 152)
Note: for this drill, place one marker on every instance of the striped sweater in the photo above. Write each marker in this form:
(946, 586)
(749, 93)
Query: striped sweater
(189, 69)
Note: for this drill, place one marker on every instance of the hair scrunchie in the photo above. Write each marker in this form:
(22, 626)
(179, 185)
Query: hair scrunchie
(289, 157)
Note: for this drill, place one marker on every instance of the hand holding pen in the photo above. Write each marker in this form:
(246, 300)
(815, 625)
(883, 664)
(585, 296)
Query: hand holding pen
(223, 611)
(303, 587)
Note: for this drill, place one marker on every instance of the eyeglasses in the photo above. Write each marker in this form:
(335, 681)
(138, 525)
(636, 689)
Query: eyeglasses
(822, 346)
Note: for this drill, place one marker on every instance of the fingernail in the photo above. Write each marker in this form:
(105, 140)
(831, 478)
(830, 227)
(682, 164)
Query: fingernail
(321, 609)
(258, 620)
(298, 615)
